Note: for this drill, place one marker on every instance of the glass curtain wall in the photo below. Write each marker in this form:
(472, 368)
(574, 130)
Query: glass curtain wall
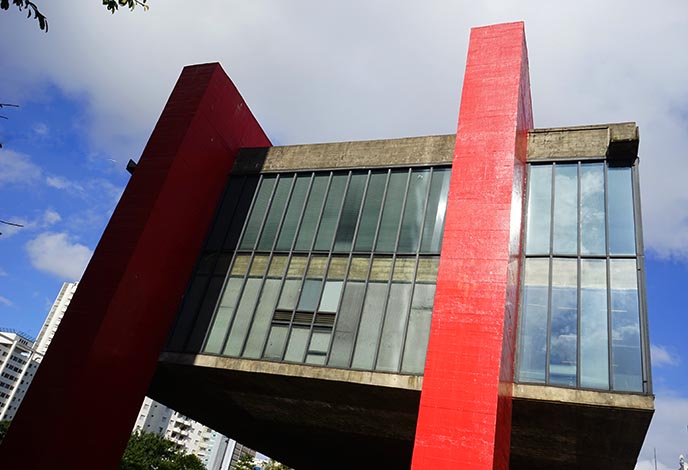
(581, 324)
(330, 268)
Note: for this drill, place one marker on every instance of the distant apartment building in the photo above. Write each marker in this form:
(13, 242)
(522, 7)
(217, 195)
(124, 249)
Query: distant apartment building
(52, 321)
(18, 364)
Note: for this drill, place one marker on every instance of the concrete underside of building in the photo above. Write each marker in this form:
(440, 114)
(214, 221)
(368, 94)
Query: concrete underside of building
(305, 415)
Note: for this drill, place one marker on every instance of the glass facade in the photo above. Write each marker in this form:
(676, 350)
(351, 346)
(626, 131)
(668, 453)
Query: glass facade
(581, 324)
(326, 268)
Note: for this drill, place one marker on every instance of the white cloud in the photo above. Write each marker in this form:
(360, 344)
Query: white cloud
(46, 219)
(662, 357)
(17, 168)
(3, 273)
(58, 254)
(40, 128)
(667, 434)
(5, 301)
(58, 182)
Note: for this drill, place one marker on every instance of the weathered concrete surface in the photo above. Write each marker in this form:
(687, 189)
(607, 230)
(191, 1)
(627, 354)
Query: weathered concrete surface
(616, 142)
(411, 151)
(306, 415)
(577, 429)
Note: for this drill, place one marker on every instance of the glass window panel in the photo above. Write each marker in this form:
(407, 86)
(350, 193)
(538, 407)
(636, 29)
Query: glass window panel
(309, 222)
(381, 269)
(594, 341)
(317, 350)
(369, 329)
(296, 348)
(310, 294)
(290, 294)
(242, 319)
(225, 213)
(411, 225)
(391, 213)
(371, 211)
(566, 209)
(416, 345)
(330, 215)
(185, 318)
(347, 322)
(240, 214)
(533, 332)
(330, 296)
(359, 268)
(437, 207)
(539, 209)
(564, 328)
(352, 206)
(621, 223)
(260, 207)
(404, 267)
(261, 322)
(626, 356)
(205, 314)
(393, 329)
(206, 262)
(223, 262)
(427, 269)
(593, 240)
(224, 315)
(276, 341)
(279, 201)
(291, 218)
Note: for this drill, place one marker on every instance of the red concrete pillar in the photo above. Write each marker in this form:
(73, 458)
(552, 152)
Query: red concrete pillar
(83, 402)
(465, 409)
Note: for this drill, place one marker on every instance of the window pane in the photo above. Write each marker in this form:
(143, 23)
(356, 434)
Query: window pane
(564, 334)
(205, 314)
(291, 219)
(418, 329)
(317, 350)
(352, 206)
(240, 214)
(310, 216)
(369, 329)
(566, 209)
(594, 355)
(310, 294)
(185, 318)
(347, 323)
(371, 211)
(391, 214)
(411, 226)
(626, 357)
(276, 341)
(261, 322)
(330, 296)
(621, 225)
(437, 207)
(260, 207)
(539, 209)
(533, 332)
(393, 330)
(592, 210)
(328, 221)
(242, 318)
(279, 201)
(290, 293)
(224, 315)
(296, 349)
(225, 214)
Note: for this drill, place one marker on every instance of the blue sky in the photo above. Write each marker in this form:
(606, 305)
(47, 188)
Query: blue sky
(92, 88)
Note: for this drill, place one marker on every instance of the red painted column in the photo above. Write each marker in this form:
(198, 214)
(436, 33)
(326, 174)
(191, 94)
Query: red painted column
(464, 420)
(83, 402)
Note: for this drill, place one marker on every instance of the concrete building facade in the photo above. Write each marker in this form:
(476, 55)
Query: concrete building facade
(18, 364)
(473, 300)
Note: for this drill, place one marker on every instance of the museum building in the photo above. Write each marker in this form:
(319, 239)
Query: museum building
(473, 300)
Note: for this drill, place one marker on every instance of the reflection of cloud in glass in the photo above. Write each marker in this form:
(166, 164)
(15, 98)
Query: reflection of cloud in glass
(592, 209)
(566, 209)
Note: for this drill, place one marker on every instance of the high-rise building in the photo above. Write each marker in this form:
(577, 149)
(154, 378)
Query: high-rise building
(472, 300)
(18, 364)
(55, 315)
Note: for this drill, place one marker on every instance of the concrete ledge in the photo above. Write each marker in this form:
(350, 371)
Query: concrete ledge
(411, 151)
(583, 397)
(378, 379)
(615, 142)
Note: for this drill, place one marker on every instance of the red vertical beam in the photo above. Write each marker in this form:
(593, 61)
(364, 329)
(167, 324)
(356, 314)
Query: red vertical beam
(83, 402)
(465, 409)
